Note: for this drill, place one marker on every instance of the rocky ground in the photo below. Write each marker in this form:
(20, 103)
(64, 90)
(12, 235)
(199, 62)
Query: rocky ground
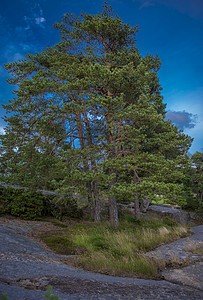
(27, 268)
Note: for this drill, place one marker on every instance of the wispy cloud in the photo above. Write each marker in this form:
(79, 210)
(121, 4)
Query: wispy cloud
(39, 20)
(147, 4)
(182, 119)
(12, 52)
(192, 8)
(36, 18)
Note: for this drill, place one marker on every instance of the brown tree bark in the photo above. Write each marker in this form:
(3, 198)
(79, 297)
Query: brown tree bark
(94, 202)
(113, 208)
(136, 200)
(137, 207)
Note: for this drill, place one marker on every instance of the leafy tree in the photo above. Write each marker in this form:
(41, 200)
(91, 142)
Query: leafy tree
(90, 108)
(197, 177)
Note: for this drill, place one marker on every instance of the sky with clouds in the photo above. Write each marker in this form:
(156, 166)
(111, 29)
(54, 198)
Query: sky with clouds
(173, 29)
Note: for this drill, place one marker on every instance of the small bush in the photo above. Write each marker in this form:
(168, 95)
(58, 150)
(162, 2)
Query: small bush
(4, 297)
(21, 203)
(48, 294)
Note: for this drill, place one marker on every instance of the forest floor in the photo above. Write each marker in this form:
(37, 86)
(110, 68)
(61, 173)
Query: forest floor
(28, 267)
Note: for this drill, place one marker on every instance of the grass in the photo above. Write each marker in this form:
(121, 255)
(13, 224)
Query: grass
(120, 251)
(197, 250)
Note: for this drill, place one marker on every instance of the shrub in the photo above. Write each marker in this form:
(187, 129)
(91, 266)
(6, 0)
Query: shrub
(32, 205)
(47, 295)
(21, 203)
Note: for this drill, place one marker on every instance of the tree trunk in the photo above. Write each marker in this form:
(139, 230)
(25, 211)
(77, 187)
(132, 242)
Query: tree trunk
(137, 207)
(113, 212)
(113, 209)
(97, 206)
(90, 199)
(86, 166)
(95, 202)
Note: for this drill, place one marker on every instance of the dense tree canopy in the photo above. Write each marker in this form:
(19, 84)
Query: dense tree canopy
(88, 118)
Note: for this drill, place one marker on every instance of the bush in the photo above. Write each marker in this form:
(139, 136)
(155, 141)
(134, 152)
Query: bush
(21, 203)
(67, 208)
(32, 205)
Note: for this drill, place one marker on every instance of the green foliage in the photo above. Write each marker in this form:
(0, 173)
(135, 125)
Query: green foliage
(170, 222)
(56, 223)
(60, 244)
(33, 205)
(21, 203)
(4, 297)
(194, 183)
(48, 294)
(88, 119)
(197, 178)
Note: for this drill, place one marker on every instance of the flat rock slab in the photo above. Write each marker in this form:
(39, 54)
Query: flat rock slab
(26, 270)
(177, 250)
(190, 275)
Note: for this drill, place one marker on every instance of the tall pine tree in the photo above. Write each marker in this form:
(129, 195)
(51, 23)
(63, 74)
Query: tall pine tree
(95, 101)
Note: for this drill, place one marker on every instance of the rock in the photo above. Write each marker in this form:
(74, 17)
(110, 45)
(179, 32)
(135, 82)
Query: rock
(178, 215)
(190, 275)
(196, 216)
(144, 205)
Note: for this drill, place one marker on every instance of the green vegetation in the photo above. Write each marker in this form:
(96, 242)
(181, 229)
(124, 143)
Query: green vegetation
(21, 203)
(116, 251)
(87, 121)
(30, 205)
(47, 295)
(196, 250)
(4, 297)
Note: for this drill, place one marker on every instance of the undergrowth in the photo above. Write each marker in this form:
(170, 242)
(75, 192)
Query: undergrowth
(117, 251)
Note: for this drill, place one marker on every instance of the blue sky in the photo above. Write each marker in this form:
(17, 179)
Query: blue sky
(173, 29)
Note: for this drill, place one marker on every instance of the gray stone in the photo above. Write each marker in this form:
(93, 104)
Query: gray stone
(196, 216)
(144, 205)
(178, 215)
(190, 275)
(26, 270)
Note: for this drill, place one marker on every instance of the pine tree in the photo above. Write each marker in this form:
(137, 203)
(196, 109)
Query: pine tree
(91, 106)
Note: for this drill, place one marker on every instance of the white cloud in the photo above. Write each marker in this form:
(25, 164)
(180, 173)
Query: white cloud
(39, 20)
(2, 130)
(36, 18)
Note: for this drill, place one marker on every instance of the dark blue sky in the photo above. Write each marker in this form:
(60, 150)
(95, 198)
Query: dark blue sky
(173, 29)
